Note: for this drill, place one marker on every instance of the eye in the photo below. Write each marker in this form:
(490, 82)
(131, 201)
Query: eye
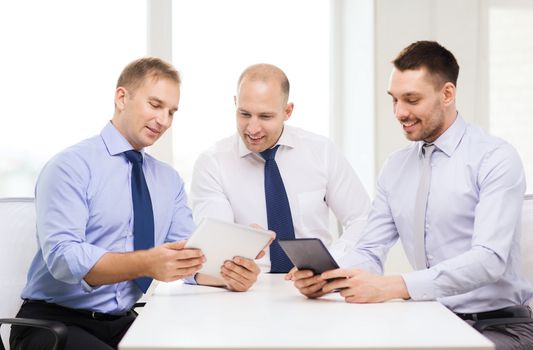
(413, 101)
(154, 105)
(245, 114)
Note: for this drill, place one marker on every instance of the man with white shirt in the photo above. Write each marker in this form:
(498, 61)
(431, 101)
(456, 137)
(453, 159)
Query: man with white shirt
(454, 198)
(229, 179)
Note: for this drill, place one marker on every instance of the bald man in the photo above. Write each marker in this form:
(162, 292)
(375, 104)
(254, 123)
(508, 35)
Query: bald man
(229, 179)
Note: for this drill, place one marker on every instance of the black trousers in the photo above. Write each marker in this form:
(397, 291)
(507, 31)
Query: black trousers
(85, 331)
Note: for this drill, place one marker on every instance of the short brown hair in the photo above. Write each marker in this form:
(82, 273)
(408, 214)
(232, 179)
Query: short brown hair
(431, 55)
(136, 72)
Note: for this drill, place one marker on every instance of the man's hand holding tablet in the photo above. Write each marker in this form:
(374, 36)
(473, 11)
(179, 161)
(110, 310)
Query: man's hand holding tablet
(230, 250)
(316, 273)
(310, 258)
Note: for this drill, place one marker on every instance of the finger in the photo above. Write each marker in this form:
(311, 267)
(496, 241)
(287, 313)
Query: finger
(186, 263)
(337, 283)
(231, 277)
(354, 299)
(248, 264)
(263, 251)
(349, 293)
(178, 245)
(188, 254)
(187, 271)
(306, 282)
(316, 295)
(299, 274)
(257, 226)
(238, 272)
(234, 284)
(313, 290)
(290, 274)
(337, 273)
(261, 254)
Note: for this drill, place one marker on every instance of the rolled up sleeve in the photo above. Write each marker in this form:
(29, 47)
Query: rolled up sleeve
(62, 215)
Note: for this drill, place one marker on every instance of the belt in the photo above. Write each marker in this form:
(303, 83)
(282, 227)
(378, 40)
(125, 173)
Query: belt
(91, 314)
(521, 311)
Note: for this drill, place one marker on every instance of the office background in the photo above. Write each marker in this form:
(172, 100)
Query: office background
(60, 61)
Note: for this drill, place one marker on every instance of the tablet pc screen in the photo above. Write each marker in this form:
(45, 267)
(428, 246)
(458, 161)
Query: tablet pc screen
(309, 254)
(221, 241)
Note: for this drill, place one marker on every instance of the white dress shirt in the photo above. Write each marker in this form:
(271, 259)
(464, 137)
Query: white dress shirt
(228, 184)
(472, 221)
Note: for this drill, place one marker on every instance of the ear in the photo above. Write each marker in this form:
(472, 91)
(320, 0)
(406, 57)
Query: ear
(288, 110)
(120, 98)
(448, 94)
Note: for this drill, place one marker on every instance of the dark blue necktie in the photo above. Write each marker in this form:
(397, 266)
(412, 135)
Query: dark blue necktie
(278, 212)
(143, 215)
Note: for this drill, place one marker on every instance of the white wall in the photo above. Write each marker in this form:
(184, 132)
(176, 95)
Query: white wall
(352, 85)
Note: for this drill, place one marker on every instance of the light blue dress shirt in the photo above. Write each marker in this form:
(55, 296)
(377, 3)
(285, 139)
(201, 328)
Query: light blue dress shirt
(472, 221)
(84, 210)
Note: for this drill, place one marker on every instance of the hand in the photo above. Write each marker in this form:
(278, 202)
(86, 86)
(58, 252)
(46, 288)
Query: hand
(308, 284)
(239, 274)
(263, 251)
(171, 261)
(360, 286)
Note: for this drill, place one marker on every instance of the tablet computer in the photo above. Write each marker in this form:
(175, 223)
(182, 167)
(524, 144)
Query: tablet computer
(309, 254)
(221, 241)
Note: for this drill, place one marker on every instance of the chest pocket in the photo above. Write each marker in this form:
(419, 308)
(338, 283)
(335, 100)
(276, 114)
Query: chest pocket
(313, 211)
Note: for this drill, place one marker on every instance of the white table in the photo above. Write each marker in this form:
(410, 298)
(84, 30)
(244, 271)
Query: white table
(273, 315)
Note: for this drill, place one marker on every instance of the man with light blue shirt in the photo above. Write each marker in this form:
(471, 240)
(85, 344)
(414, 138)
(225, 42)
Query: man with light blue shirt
(454, 199)
(110, 218)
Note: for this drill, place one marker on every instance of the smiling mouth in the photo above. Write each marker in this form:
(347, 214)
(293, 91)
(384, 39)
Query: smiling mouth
(157, 132)
(254, 139)
(408, 125)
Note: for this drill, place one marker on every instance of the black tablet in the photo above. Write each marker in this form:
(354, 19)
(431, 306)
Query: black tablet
(309, 254)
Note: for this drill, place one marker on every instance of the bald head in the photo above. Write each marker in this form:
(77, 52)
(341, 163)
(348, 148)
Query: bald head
(265, 73)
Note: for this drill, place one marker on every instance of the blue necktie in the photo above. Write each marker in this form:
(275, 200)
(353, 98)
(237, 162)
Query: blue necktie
(143, 215)
(278, 212)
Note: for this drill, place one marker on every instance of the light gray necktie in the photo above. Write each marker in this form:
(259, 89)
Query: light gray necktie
(420, 207)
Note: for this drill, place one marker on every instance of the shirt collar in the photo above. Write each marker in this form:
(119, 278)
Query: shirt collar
(114, 141)
(449, 140)
(287, 139)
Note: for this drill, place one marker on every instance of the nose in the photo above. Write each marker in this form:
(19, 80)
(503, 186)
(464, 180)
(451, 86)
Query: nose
(253, 125)
(164, 119)
(400, 110)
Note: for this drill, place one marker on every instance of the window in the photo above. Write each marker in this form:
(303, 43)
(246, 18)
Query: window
(60, 61)
(214, 41)
(511, 74)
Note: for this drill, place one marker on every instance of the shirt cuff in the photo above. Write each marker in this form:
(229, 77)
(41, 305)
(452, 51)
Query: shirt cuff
(190, 279)
(87, 288)
(420, 284)
(73, 262)
(359, 261)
